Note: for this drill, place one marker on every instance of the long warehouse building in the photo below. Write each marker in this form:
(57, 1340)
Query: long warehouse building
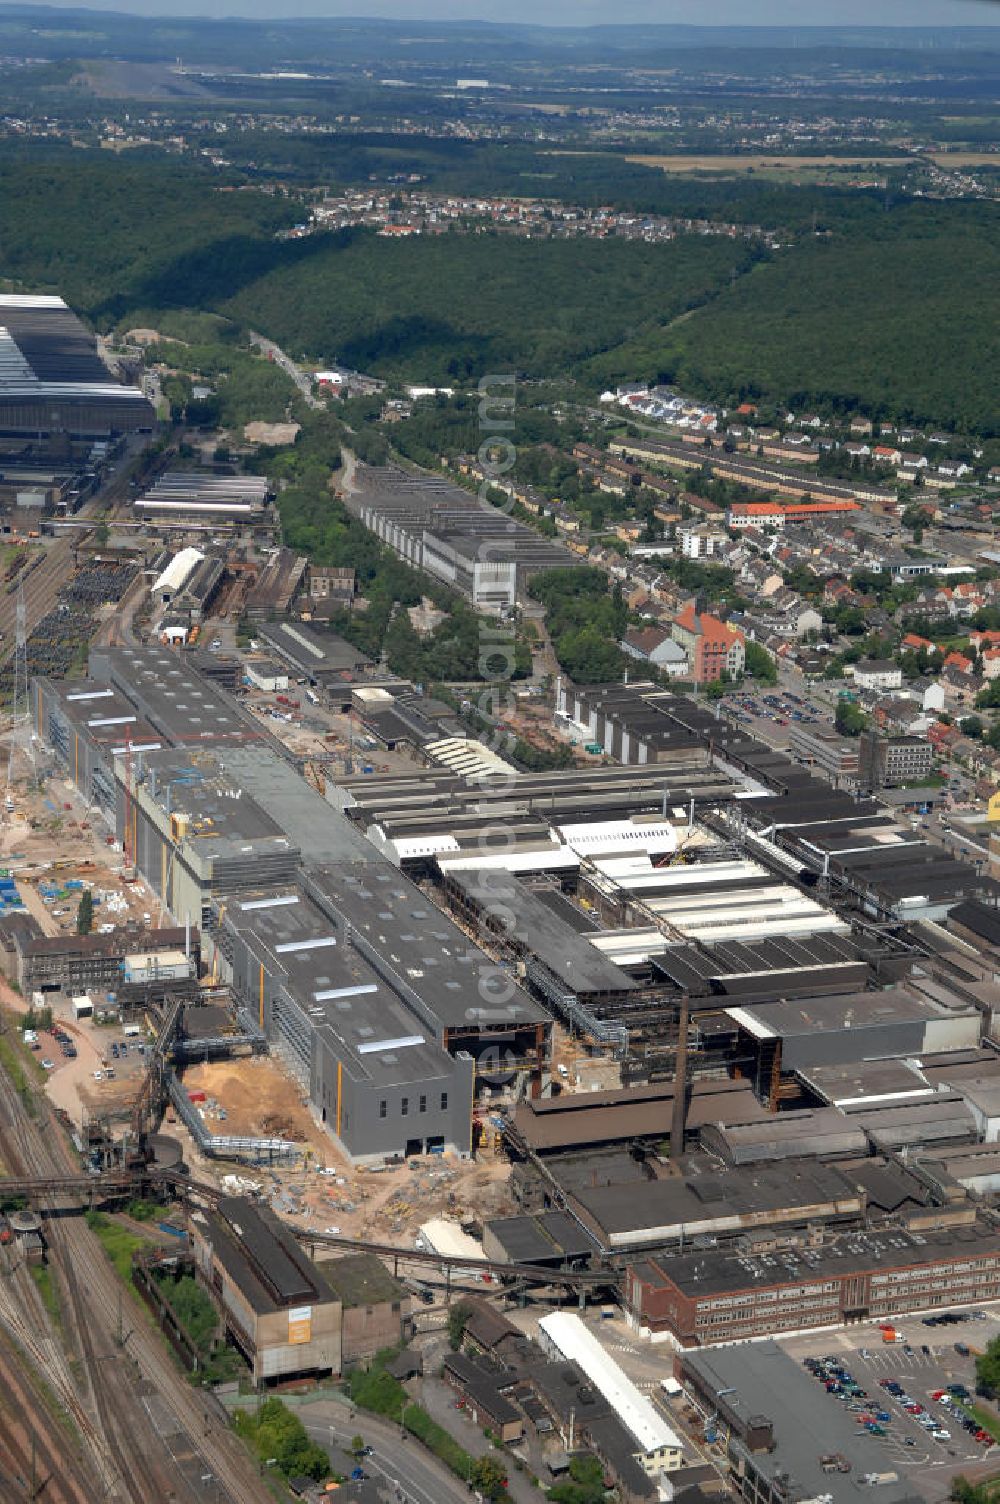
(54, 388)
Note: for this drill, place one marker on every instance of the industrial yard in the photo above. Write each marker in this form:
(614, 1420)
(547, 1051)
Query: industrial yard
(257, 1098)
(676, 1062)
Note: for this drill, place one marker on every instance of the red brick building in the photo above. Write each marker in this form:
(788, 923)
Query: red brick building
(712, 646)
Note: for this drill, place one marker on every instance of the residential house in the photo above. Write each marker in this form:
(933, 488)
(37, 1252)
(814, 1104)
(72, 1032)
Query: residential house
(989, 661)
(837, 592)
(760, 579)
(332, 585)
(959, 662)
(793, 616)
(885, 454)
(485, 1388)
(981, 640)
(960, 687)
(898, 715)
(929, 692)
(861, 427)
(914, 643)
(877, 674)
(701, 504)
(656, 646)
(702, 541)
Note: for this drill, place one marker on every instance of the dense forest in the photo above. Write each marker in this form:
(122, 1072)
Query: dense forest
(454, 308)
(896, 311)
(903, 321)
(585, 619)
(102, 232)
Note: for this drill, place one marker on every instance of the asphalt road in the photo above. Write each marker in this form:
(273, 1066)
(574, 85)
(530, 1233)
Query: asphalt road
(405, 1465)
(287, 364)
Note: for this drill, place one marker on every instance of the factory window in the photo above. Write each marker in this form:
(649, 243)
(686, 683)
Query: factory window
(423, 1104)
(404, 1106)
(383, 1108)
(444, 1101)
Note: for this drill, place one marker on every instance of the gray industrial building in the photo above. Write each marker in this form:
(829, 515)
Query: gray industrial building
(190, 495)
(376, 1073)
(785, 1440)
(784, 1035)
(889, 761)
(57, 393)
(437, 527)
(230, 836)
(314, 653)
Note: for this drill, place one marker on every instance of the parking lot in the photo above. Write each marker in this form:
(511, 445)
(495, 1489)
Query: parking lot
(770, 713)
(922, 1364)
(105, 1073)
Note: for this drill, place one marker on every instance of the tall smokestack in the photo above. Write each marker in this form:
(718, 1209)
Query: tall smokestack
(187, 934)
(680, 1083)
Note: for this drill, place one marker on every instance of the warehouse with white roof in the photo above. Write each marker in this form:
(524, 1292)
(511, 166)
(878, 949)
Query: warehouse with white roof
(658, 1448)
(171, 582)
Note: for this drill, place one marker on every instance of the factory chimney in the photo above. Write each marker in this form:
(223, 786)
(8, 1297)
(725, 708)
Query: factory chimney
(680, 1082)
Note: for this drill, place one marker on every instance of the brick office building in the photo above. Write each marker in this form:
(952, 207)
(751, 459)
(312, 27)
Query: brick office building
(722, 1295)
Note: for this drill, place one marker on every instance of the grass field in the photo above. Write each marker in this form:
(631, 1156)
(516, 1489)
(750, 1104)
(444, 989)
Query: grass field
(759, 162)
(966, 158)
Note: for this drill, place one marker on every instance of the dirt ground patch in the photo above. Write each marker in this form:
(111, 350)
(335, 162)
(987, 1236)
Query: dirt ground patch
(760, 163)
(260, 1100)
(948, 159)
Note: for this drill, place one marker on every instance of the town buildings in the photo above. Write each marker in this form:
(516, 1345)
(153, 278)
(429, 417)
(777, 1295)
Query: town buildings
(713, 647)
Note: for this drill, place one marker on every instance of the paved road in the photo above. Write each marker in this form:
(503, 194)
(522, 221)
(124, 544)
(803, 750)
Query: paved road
(287, 364)
(405, 1465)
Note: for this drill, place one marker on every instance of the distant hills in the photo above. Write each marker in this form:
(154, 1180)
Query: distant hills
(56, 32)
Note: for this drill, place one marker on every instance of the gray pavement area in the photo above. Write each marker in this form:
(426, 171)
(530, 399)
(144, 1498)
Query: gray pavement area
(923, 1364)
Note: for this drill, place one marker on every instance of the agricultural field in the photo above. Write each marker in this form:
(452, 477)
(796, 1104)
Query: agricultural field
(813, 167)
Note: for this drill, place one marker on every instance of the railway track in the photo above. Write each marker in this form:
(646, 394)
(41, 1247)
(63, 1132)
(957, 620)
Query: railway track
(147, 1435)
(33, 1444)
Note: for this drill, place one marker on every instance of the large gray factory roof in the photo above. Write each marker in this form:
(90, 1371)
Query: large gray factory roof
(427, 951)
(531, 923)
(714, 1271)
(185, 707)
(786, 963)
(317, 653)
(810, 1130)
(52, 339)
(372, 1028)
(819, 1015)
(248, 793)
(405, 803)
(867, 1081)
(758, 1378)
(100, 713)
(630, 1214)
(319, 830)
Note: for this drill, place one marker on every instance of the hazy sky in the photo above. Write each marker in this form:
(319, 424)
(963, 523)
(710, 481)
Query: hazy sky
(597, 12)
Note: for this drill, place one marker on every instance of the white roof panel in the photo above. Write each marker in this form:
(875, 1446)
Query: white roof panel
(577, 1344)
